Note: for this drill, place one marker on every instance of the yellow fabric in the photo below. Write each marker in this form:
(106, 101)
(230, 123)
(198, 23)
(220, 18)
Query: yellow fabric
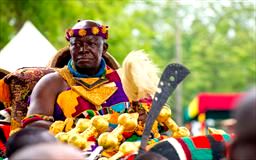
(89, 80)
(96, 96)
(193, 108)
(14, 131)
(64, 72)
(4, 92)
(113, 118)
(109, 71)
(145, 106)
(14, 124)
(67, 101)
(201, 117)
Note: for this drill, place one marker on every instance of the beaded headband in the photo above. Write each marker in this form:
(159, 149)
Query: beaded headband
(96, 31)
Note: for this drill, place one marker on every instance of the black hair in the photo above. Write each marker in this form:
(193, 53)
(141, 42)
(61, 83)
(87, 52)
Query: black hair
(27, 136)
(150, 155)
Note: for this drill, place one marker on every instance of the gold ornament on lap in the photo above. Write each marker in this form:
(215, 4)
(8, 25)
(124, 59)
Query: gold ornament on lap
(81, 125)
(165, 118)
(98, 125)
(126, 123)
(124, 149)
(59, 126)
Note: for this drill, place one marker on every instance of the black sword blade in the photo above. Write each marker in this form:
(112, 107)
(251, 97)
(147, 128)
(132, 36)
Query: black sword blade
(171, 77)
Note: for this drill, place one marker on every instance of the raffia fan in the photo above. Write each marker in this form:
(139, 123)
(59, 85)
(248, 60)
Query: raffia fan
(139, 75)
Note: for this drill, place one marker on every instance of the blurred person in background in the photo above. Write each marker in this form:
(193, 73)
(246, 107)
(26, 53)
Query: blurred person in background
(244, 144)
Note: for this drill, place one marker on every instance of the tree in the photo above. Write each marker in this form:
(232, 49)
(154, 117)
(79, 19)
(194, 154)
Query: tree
(218, 39)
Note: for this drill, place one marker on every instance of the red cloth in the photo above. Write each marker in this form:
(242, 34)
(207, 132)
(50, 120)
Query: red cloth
(5, 129)
(217, 101)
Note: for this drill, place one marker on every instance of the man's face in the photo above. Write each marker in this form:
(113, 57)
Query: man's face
(86, 52)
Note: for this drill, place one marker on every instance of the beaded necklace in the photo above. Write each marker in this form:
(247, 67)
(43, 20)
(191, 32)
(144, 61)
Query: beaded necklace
(75, 73)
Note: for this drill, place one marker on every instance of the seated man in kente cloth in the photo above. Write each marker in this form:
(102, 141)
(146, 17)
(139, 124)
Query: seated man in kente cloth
(88, 87)
(85, 87)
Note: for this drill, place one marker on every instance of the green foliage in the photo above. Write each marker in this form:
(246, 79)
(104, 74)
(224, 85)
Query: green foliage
(53, 17)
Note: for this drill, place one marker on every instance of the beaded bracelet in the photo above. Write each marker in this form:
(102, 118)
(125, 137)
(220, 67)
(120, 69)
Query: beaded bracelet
(35, 117)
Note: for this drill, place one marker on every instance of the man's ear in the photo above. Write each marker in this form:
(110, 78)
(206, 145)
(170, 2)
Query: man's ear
(105, 48)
